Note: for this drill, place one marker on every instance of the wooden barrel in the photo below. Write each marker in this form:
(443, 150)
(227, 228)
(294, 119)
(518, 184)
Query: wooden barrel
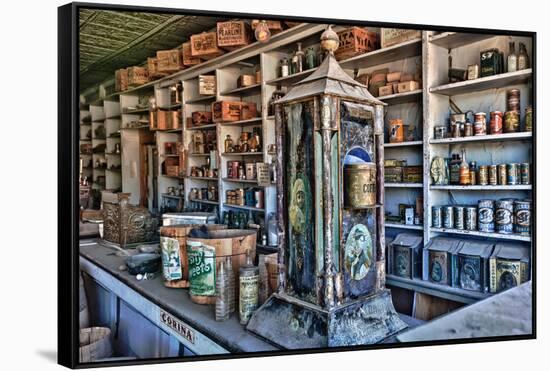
(230, 242)
(179, 232)
(95, 344)
(83, 314)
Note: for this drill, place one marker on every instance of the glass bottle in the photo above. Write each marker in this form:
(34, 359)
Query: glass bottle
(523, 58)
(272, 230)
(228, 144)
(311, 59)
(222, 293)
(230, 284)
(284, 67)
(512, 58)
(464, 172)
(248, 290)
(300, 59)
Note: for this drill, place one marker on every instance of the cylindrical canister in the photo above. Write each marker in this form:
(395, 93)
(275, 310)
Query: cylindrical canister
(504, 216)
(396, 131)
(468, 129)
(437, 217)
(456, 131)
(528, 119)
(513, 174)
(502, 174)
(459, 217)
(511, 121)
(259, 198)
(470, 218)
(512, 100)
(360, 185)
(485, 215)
(483, 175)
(250, 170)
(522, 217)
(525, 173)
(495, 125)
(174, 255)
(448, 217)
(493, 178)
(480, 123)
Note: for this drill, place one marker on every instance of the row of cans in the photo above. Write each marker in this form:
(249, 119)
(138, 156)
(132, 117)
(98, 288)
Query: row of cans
(504, 216)
(504, 174)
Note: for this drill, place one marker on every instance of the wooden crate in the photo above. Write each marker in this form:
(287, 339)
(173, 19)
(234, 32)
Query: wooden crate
(201, 118)
(207, 85)
(407, 86)
(121, 79)
(393, 36)
(188, 59)
(355, 41)
(224, 111)
(385, 90)
(172, 170)
(164, 119)
(248, 110)
(169, 61)
(137, 76)
(205, 45)
(246, 80)
(152, 67)
(233, 34)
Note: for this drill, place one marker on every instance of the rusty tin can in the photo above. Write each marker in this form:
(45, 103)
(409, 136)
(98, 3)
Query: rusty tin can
(528, 124)
(495, 125)
(448, 217)
(459, 217)
(468, 129)
(511, 121)
(259, 198)
(470, 218)
(456, 131)
(504, 216)
(502, 174)
(512, 100)
(513, 174)
(522, 217)
(485, 215)
(483, 175)
(250, 170)
(525, 173)
(493, 178)
(360, 185)
(437, 216)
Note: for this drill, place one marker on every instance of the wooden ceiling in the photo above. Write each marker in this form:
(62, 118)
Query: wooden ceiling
(115, 39)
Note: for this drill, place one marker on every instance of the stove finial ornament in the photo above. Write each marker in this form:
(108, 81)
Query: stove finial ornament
(330, 40)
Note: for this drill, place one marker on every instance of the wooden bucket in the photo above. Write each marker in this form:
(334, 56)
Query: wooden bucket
(95, 344)
(230, 242)
(180, 232)
(83, 314)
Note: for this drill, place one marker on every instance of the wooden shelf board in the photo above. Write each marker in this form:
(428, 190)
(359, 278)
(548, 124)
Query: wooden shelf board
(242, 154)
(201, 178)
(400, 98)
(403, 185)
(249, 208)
(135, 111)
(203, 201)
(452, 40)
(291, 79)
(245, 90)
(169, 155)
(520, 187)
(250, 122)
(271, 117)
(403, 144)
(249, 181)
(404, 226)
(136, 127)
(377, 57)
(434, 289)
(113, 117)
(171, 131)
(171, 196)
(500, 236)
(484, 83)
(482, 138)
(203, 99)
(202, 127)
(199, 154)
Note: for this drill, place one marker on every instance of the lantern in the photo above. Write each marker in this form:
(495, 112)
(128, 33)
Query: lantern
(329, 132)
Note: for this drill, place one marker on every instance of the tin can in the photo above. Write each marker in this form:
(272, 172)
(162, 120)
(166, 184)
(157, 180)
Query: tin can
(194, 193)
(522, 217)
(495, 125)
(440, 132)
(204, 193)
(239, 196)
(480, 116)
(437, 217)
(512, 100)
(525, 173)
(485, 216)
(502, 174)
(213, 193)
(459, 217)
(396, 131)
(360, 185)
(455, 130)
(250, 170)
(493, 179)
(250, 197)
(504, 216)
(259, 198)
(468, 129)
(470, 218)
(240, 172)
(511, 121)
(528, 125)
(448, 217)
(480, 128)
(249, 278)
(483, 175)
(513, 174)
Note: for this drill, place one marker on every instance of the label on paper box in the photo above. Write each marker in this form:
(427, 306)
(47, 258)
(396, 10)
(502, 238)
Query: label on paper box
(171, 261)
(202, 269)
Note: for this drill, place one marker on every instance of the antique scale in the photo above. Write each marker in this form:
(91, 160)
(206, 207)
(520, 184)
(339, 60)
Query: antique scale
(331, 281)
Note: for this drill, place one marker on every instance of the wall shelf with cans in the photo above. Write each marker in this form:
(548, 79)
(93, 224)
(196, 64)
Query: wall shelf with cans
(416, 227)
(499, 236)
(507, 187)
(526, 135)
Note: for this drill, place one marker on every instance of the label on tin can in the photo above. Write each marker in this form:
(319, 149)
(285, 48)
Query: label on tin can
(504, 210)
(470, 218)
(202, 269)
(437, 217)
(459, 217)
(493, 175)
(502, 174)
(448, 217)
(512, 171)
(525, 173)
(171, 260)
(486, 221)
(522, 217)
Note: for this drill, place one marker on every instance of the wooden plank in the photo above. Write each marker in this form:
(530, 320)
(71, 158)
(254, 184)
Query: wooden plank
(526, 135)
(520, 187)
(452, 40)
(500, 236)
(403, 144)
(428, 307)
(393, 53)
(400, 98)
(403, 185)
(484, 83)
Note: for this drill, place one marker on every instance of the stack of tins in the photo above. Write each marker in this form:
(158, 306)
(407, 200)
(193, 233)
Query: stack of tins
(174, 252)
(236, 243)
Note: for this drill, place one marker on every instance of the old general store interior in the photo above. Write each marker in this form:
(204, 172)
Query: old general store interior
(155, 150)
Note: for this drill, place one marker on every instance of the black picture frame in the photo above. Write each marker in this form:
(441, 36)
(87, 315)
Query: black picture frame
(68, 191)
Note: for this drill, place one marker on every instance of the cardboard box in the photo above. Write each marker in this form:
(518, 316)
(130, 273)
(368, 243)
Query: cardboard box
(226, 111)
(207, 85)
(233, 34)
(404, 87)
(137, 76)
(393, 36)
(169, 61)
(188, 59)
(385, 90)
(246, 80)
(121, 79)
(205, 45)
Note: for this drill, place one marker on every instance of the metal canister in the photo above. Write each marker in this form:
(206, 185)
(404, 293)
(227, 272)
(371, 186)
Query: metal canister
(470, 218)
(194, 193)
(483, 175)
(250, 197)
(448, 217)
(528, 126)
(249, 277)
(360, 185)
(459, 217)
(522, 217)
(512, 100)
(495, 125)
(437, 217)
(525, 173)
(513, 174)
(480, 128)
(259, 198)
(456, 131)
(240, 172)
(486, 216)
(239, 196)
(250, 170)
(396, 131)
(511, 121)
(468, 129)
(204, 193)
(493, 178)
(440, 132)
(504, 216)
(502, 174)
(213, 193)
